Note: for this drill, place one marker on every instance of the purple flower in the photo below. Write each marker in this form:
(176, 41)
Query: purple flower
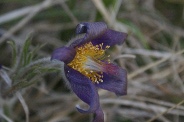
(87, 68)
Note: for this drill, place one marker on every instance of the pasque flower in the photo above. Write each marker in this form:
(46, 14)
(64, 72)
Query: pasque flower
(87, 68)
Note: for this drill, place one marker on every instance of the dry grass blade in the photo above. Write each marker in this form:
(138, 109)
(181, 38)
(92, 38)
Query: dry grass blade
(35, 10)
(99, 4)
(168, 110)
(5, 117)
(70, 14)
(141, 70)
(15, 14)
(144, 106)
(152, 55)
(24, 105)
(124, 56)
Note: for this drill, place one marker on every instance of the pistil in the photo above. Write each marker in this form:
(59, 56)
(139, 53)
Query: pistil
(87, 61)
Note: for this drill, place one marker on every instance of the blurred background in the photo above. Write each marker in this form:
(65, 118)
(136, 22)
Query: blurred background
(32, 88)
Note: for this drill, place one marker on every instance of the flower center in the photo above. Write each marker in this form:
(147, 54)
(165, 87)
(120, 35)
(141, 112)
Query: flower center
(88, 61)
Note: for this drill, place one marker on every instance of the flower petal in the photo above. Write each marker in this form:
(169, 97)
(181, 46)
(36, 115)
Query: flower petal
(110, 38)
(92, 30)
(114, 79)
(99, 115)
(83, 88)
(65, 54)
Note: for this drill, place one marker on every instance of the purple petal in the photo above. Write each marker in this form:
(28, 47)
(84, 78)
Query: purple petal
(83, 88)
(114, 79)
(99, 116)
(110, 38)
(92, 30)
(65, 54)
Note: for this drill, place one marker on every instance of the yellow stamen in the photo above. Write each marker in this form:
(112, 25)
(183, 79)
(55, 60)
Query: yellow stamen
(87, 61)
